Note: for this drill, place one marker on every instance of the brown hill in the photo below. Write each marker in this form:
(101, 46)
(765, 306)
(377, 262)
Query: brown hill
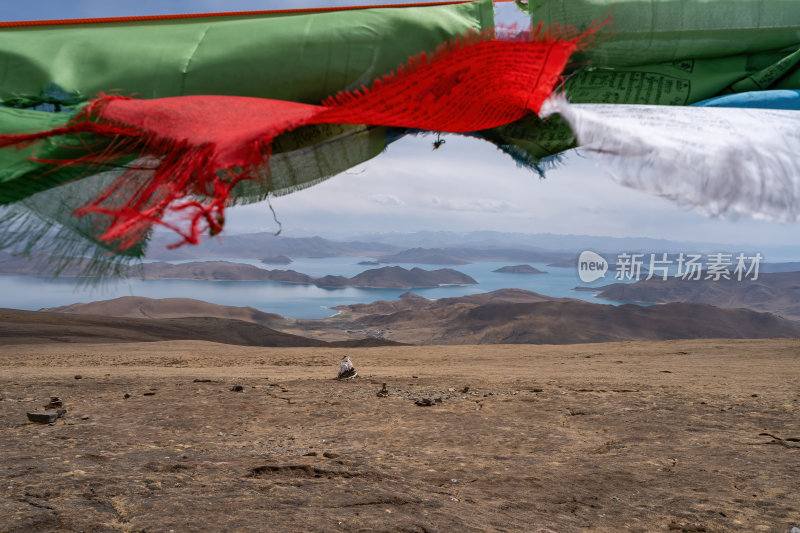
(507, 316)
(410, 301)
(777, 293)
(396, 277)
(35, 327)
(140, 307)
(519, 316)
(501, 296)
(568, 322)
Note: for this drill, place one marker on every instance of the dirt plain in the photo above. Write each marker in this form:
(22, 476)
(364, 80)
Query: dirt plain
(686, 436)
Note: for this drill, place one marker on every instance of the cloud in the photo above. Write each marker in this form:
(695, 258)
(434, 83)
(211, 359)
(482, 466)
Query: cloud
(473, 204)
(386, 199)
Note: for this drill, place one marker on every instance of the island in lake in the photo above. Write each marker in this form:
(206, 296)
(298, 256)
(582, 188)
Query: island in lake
(277, 260)
(519, 269)
(396, 277)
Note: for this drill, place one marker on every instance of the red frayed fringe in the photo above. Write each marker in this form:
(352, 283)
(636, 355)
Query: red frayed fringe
(194, 150)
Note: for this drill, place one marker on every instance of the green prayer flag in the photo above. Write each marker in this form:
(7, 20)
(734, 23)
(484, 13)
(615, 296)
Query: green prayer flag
(686, 81)
(645, 32)
(301, 56)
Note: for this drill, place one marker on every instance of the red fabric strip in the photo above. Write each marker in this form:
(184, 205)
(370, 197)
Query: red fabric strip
(202, 146)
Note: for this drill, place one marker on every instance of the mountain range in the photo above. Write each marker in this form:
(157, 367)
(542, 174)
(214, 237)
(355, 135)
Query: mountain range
(777, 293)
(509, 316)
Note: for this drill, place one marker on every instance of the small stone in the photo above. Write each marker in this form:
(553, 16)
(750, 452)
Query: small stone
(310, 454)
(330, 455)
(43, 417)
(754, 395)
(795, 530)
(384, 392)
(465, 389)
(150, 393)
(220, 434)
(78, 376)
(127, 395)
(237, 388)
(424, 402)
(55, 402)
(85, 417)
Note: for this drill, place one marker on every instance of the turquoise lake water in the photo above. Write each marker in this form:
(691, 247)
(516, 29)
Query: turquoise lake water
(290, 300)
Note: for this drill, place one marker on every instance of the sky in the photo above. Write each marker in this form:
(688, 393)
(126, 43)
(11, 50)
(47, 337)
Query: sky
(465, 185)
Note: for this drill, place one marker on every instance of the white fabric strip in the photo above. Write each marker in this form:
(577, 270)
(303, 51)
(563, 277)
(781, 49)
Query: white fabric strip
(724, 161)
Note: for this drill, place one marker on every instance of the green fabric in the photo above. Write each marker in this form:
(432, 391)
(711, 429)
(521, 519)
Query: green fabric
(532, 141)
(781, 74)
(19, 175)
(300, 57)
(687, 81)
(312, 154)
(43, 223)
(645, 32)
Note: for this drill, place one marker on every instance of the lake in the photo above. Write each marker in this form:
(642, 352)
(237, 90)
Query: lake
(289, 300)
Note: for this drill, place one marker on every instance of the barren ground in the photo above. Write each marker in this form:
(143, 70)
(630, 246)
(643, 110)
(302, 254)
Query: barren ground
(642, 436)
